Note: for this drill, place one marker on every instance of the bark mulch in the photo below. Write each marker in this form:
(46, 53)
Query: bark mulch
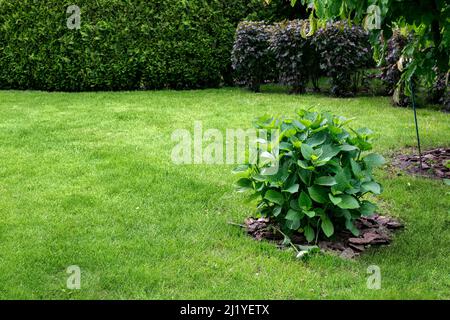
(434, 163)
(374, 231)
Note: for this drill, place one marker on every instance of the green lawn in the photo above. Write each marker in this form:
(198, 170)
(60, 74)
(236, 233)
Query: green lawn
(86, 179)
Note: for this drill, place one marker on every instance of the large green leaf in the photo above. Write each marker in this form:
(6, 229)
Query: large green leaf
(371, 186)
(327, 226)
(348, 202)
(304, 201)
(294, 219)
(374, 160)
(305, 176)
(309, 233)
(276, 211)
(317, 139)
(318, 194)
(335, 200)
(244, 184)
(274, 196)
(342, 180)
(307, 151)
(356, 168)
(304, 165)
(292, 189)
(329, 151)
(325, 181)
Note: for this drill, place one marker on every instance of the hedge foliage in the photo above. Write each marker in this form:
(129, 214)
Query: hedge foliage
(122, 44)
(344, 49)
(251, 58)
(338, 50)
(390, 72)
(295, 56)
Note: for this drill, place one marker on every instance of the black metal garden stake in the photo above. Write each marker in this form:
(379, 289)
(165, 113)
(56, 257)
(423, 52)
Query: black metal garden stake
(413, 100)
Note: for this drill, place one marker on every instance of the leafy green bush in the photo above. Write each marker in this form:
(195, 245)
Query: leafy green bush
(344, 49)
(323, 176)
(121, 44)
(251, 57)
(295, 56)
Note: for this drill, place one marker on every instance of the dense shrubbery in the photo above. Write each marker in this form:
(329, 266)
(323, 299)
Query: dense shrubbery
(344, 50)
(339, 51)
(296, 58)
(323, 175)
(440, 93)
(121, 44)
(278, 10)
(251, 57)
(390, 72)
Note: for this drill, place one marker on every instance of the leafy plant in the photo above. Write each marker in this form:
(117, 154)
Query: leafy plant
(344, 49)
(392, 69)
(295, 56)
(251, 58)
(390, 73)
(429, 20)
(323, 178)
(440, 93)
(121, 45)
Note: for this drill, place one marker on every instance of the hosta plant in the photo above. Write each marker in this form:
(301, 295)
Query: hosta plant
(324, 176)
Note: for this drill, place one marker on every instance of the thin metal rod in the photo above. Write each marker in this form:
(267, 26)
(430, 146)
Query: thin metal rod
(413, 100)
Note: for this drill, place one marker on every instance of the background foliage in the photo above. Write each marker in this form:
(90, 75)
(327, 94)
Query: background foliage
(296, 58)
(344, 49)
(121, 44)
(251, 57)
(426, 56)
(292, 52)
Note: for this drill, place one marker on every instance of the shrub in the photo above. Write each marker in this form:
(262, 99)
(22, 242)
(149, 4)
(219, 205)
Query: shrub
(121, 44)
(295, 56)
(251, 58)
(440, 93)
(390, 72)
(278, 10)
(344, 49)
(323, 176)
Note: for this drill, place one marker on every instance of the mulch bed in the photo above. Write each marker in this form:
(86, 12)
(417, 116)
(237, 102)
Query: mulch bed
(375, 230)
(433, 163)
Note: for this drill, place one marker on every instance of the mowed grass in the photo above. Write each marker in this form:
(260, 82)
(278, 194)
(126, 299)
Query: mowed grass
(87, 179)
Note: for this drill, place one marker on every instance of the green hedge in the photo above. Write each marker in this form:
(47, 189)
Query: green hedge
(122, 44)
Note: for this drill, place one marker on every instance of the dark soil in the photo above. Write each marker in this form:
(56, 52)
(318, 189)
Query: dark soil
(375, 230)
(434, 163)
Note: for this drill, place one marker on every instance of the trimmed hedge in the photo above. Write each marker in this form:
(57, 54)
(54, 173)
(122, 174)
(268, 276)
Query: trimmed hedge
(121, 45)
(251, 58)
(339, 51)
(344, 49)
(295, 56)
